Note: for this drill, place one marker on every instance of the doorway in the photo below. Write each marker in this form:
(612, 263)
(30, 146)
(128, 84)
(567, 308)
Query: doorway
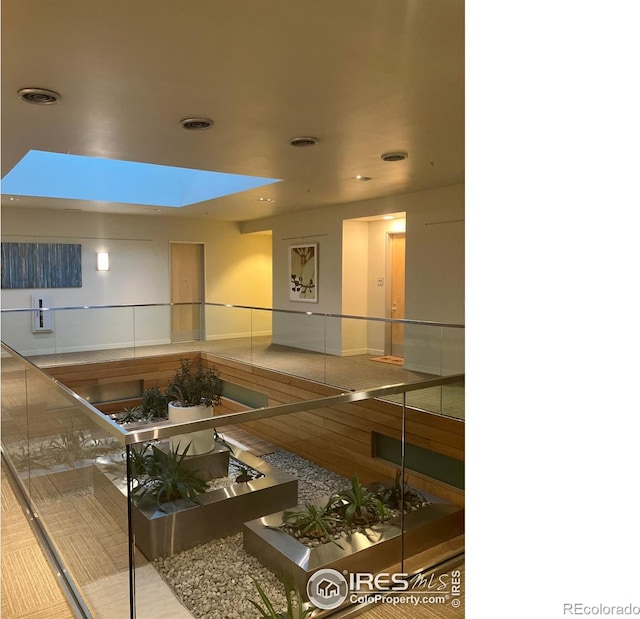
(395, 302)
(187, 286)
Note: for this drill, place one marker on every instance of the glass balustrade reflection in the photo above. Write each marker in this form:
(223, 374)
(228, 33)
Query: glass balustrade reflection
(66, 448)
(14, 429)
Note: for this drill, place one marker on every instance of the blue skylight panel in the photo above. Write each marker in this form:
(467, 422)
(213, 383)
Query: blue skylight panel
(75, 177)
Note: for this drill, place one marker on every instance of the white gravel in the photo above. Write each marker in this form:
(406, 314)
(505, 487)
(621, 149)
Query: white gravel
(314, 481)
(215, 580)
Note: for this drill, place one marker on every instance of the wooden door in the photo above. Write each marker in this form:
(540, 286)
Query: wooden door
(187, 286)
(396, 307)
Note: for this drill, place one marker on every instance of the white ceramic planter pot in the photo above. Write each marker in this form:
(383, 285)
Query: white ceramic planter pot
(201, 442)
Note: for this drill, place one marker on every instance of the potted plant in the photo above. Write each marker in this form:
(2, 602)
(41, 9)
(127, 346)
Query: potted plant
(192, 394)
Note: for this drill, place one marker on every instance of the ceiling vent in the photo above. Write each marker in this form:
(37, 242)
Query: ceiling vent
(39, 96)
(394, 156)
(196, 124)
(303, 141)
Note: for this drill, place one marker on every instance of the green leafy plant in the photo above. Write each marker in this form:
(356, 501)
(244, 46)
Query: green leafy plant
(312, 521)
(133, 415)
(361, 506)
(400, 495)
(166, 479)
(193, 387)
(268, 611)
(154, 404)
(140, 460)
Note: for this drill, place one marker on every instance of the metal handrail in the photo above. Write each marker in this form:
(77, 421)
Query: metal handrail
(407, 321)
(166, 430)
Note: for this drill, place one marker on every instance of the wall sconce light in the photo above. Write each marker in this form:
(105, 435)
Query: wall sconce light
(103, 261)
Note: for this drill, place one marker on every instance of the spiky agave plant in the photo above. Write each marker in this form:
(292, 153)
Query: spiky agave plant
(268, 611)
(312, 521)
(166, 479)
(361, 506)
(400, 495)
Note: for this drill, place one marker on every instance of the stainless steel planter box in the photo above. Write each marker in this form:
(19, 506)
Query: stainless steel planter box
(218, 513)
(380, 548)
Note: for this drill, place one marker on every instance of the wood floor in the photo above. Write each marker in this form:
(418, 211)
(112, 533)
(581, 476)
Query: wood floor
(29, 588)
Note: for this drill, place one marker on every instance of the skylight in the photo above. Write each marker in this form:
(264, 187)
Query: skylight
(56, 175)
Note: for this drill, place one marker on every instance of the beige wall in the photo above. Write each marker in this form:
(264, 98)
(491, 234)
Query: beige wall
(237, 271)
(434, 274)
(252, 269)
(435, 260)
(355, 258)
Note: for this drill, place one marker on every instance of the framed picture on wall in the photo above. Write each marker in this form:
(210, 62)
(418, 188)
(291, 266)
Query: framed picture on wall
(303, 270)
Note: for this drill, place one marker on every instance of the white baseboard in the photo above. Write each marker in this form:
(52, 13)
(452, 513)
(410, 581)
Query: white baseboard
(68, 349)
(374, 352)
(355, 351)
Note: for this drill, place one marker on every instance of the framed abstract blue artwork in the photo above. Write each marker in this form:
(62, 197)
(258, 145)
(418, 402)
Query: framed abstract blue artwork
(41, 265)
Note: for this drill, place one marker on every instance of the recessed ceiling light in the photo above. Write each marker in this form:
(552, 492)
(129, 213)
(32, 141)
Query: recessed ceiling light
(266, 200)
(14, 199)
(303, 141)
(359, 177)
(39, 96)
(196, 124)
(394, 156)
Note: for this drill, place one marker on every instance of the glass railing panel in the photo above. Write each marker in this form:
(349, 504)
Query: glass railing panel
(352, 462)
(453, 400)
(187, 322)
(228, 331)
(106, 333)
(210, 549)
(365, 438)
(151, 328)
(423, 349)
(20, 330)
(261, 337)
(66, 447)
(453, 340)
(14, 429)
(361, 363)
(299, 344)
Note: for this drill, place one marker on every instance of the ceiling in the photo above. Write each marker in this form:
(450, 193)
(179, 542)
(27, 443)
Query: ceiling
(365, 77)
